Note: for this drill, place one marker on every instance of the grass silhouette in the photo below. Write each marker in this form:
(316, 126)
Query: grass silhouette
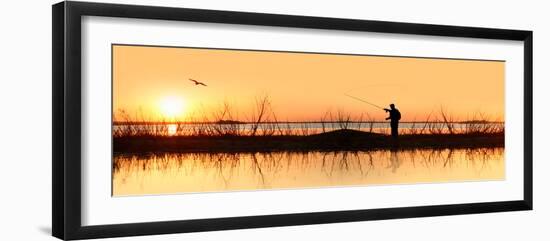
(261, 130)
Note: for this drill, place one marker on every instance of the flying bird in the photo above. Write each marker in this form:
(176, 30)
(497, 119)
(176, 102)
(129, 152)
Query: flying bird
(197, 82)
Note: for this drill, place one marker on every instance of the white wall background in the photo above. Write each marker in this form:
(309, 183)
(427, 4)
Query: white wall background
(25, 119)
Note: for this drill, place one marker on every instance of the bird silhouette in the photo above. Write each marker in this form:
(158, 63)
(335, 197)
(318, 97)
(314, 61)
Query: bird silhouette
(197, 82)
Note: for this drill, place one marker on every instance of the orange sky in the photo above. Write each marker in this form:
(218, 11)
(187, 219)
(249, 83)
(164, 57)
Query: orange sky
(301, 86)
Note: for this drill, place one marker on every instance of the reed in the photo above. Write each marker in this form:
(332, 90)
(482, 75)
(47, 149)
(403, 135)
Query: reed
(262, 120)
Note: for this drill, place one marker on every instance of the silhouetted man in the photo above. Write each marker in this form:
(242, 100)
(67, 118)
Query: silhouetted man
(395, 116)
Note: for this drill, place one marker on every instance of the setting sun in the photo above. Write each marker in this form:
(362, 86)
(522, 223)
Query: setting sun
(235, 120)
(171, 106)
(302, 86)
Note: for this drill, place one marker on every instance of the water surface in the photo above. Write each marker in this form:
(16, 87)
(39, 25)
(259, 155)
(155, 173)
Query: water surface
(305, 128)
(166, 173)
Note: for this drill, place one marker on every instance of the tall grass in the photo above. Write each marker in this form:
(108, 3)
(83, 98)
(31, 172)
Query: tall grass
(225, 121)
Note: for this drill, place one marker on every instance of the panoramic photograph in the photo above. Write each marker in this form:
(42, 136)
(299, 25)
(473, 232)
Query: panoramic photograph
(197, 120)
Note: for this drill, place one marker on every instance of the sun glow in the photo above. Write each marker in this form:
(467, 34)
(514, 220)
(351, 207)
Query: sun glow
(171, 106)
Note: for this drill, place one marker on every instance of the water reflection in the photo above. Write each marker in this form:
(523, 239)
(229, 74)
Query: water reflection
(206, 172)
(172, 129)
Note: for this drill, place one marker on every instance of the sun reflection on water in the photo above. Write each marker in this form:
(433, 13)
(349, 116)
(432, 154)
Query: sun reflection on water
(172, 129)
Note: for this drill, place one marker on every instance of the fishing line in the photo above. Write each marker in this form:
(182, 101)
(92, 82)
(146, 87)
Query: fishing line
(364, 101)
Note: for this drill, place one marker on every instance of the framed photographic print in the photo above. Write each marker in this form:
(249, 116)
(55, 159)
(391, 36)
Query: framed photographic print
(170, 120)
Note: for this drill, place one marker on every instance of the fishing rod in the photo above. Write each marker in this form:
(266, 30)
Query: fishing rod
(364, 101)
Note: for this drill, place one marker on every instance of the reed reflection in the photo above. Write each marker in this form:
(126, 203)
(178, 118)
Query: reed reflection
(213, 172)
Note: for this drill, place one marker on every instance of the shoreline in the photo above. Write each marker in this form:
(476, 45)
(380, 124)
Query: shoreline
(340, 140)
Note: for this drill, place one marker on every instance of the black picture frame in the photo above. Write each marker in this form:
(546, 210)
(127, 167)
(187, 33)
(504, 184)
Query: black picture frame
(66, 128)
